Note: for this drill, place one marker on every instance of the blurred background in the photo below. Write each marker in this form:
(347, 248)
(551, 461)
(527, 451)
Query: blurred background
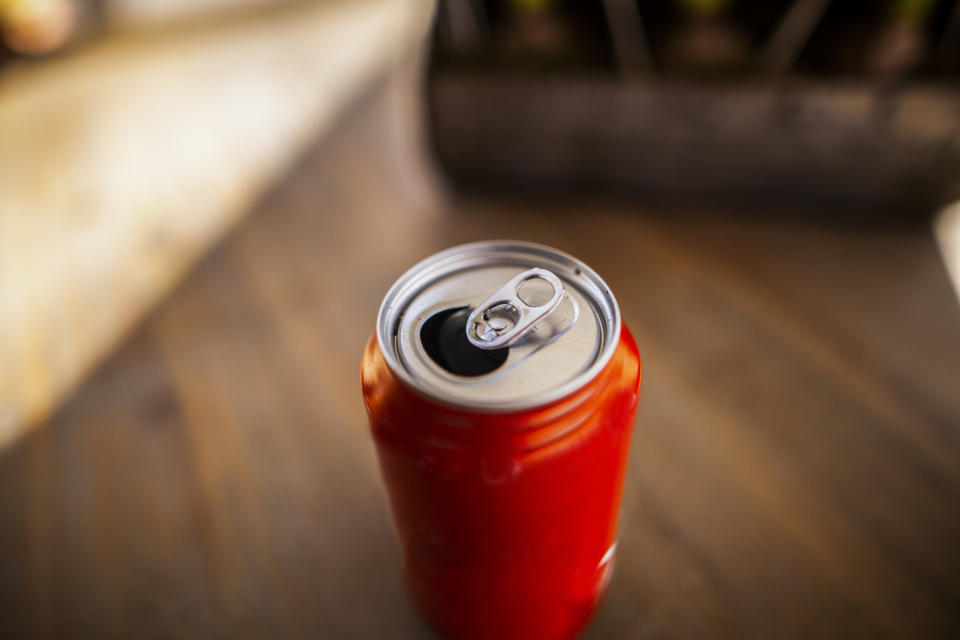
(202, 204)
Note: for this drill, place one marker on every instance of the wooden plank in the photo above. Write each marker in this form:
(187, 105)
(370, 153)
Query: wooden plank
(795, 470)
(122, 163)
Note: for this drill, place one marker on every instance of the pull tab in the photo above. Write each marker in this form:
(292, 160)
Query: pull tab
(505, 317)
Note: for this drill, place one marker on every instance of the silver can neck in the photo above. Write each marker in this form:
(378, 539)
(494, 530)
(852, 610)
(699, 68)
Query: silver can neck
(498, 326)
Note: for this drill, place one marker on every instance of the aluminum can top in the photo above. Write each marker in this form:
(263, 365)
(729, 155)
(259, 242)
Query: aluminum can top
(498, 326)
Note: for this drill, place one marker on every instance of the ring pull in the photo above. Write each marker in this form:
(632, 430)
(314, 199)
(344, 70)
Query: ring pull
(505, 317)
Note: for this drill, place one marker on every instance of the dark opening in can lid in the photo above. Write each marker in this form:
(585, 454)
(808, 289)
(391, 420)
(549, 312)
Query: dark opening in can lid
(498, 325)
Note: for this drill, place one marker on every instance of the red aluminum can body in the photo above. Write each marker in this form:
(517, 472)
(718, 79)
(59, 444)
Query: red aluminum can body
(507, 520)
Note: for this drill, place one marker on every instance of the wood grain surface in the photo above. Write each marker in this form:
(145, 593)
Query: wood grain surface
(795, 470)
(123, 162)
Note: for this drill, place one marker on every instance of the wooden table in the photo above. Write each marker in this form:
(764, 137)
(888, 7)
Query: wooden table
(795, 470)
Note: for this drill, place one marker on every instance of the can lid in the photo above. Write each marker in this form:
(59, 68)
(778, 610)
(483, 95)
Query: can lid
(498, 326)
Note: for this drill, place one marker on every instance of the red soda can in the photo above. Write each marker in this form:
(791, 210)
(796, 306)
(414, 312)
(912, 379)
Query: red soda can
(501, 387)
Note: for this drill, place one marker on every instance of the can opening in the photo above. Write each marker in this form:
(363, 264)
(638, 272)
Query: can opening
(444, 338)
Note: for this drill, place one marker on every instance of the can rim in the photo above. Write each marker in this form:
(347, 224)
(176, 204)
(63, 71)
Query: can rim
(423, 273)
